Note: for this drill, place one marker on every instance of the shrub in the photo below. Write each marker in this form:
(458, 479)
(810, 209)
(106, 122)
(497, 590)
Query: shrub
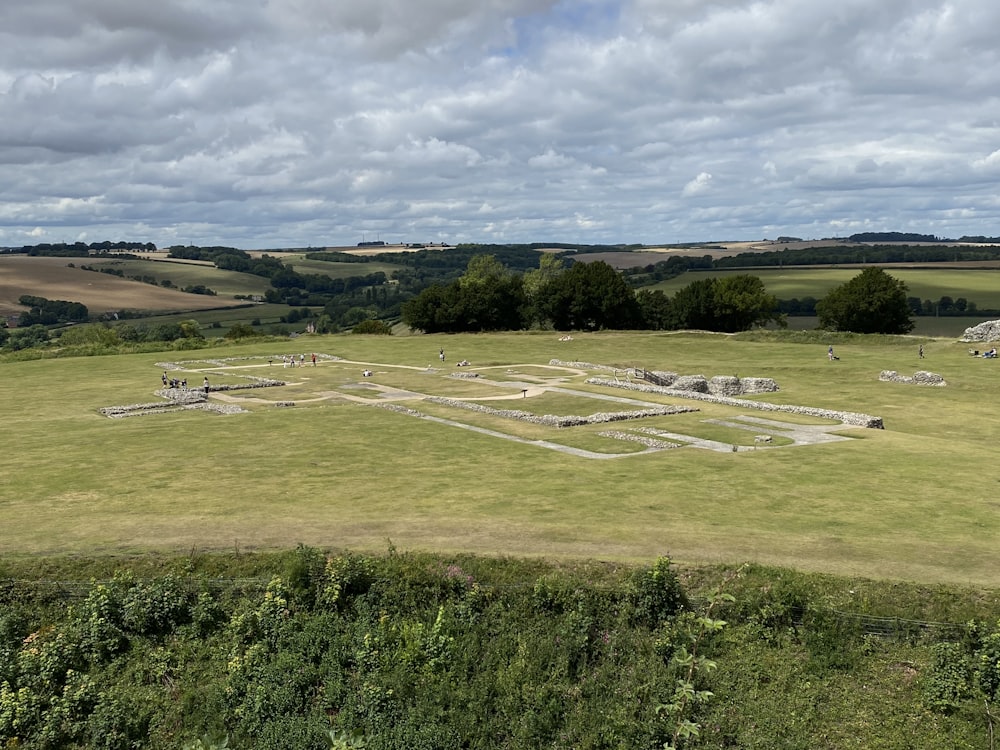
(373, 326)
(656, 594)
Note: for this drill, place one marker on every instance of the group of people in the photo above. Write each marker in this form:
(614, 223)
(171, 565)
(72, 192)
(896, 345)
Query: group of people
(180, 382)
(290, 361)
(173, 382)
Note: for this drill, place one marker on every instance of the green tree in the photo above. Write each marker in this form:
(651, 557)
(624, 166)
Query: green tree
(26, 338)
(373, 326)
(487, 297)
(90, 334)
(191, 329)
(742, 303)
(241, 331)
(483, 271)
(588, 297)
(550, 266)
(655, 309)
(694, 305)
(871, 302)
(434, 310)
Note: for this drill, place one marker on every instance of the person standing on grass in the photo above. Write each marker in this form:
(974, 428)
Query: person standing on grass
(314, 359)
(205, 385)
(921, 351)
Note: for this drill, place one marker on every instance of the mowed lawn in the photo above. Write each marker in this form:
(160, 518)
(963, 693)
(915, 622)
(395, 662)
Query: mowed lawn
(919, 500)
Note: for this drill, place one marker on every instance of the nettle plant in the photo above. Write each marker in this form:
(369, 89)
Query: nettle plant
(685, 637)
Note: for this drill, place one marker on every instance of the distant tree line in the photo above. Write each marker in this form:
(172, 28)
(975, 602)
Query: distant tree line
(51, 311)
(331, 256)
(582, 297)
(82, 250)
(855, 254)
(894, 237)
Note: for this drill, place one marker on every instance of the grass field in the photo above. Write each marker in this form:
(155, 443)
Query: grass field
(979, 285)
(918, 500)
(924, 325)
(336, 270)
(267, 313)
(225, 284)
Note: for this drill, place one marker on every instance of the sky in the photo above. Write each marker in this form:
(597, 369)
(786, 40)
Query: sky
(308, 123)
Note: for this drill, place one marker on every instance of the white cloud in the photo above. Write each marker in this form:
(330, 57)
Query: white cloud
(699, 184)
(303, 122)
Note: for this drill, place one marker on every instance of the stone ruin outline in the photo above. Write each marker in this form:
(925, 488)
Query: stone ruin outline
(718, 389)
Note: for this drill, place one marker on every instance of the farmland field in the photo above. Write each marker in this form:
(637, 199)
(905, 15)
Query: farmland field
(336, 270)
(979, 285)
(55, 278)
(224, 283)
(317, 461)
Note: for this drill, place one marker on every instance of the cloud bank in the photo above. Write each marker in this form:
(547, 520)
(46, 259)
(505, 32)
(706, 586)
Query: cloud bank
(277, 123)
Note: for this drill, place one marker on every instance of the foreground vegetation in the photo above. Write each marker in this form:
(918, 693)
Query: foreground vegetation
(312, 650)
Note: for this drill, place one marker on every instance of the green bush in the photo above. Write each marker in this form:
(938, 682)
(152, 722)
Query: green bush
(656, 594)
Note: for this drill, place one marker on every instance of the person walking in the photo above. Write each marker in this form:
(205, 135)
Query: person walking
(921, 351)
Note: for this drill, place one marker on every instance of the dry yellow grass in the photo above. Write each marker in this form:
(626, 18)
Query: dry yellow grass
(53, 278)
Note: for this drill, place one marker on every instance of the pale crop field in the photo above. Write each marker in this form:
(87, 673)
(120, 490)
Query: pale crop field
(63, 279)
(917, 500)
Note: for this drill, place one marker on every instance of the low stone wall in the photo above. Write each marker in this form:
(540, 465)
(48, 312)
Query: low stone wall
(254, 383)
(847, 417)
(921, 377)
(162, 407)
(988, 331)
(721, 385)
(550, 420)
(641, 439)
(585, 365)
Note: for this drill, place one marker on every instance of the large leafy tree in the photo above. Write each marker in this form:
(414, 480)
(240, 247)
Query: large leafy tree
(487, 297)
(588, 297)
(655, 309)
(742, 303)
(434, 310)
(728, 304)
(550, 266)
(694, 305)
(871, 302)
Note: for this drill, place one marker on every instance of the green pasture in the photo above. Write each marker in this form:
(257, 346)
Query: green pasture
(924, 325)
(225, 283)
(918, 500)
(226, 317)
(978, 285)
(300, 264)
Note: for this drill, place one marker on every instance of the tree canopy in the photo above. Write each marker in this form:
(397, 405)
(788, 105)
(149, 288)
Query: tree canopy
(488, 297)
(588, 297)
(871, 302)
(728, 304)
